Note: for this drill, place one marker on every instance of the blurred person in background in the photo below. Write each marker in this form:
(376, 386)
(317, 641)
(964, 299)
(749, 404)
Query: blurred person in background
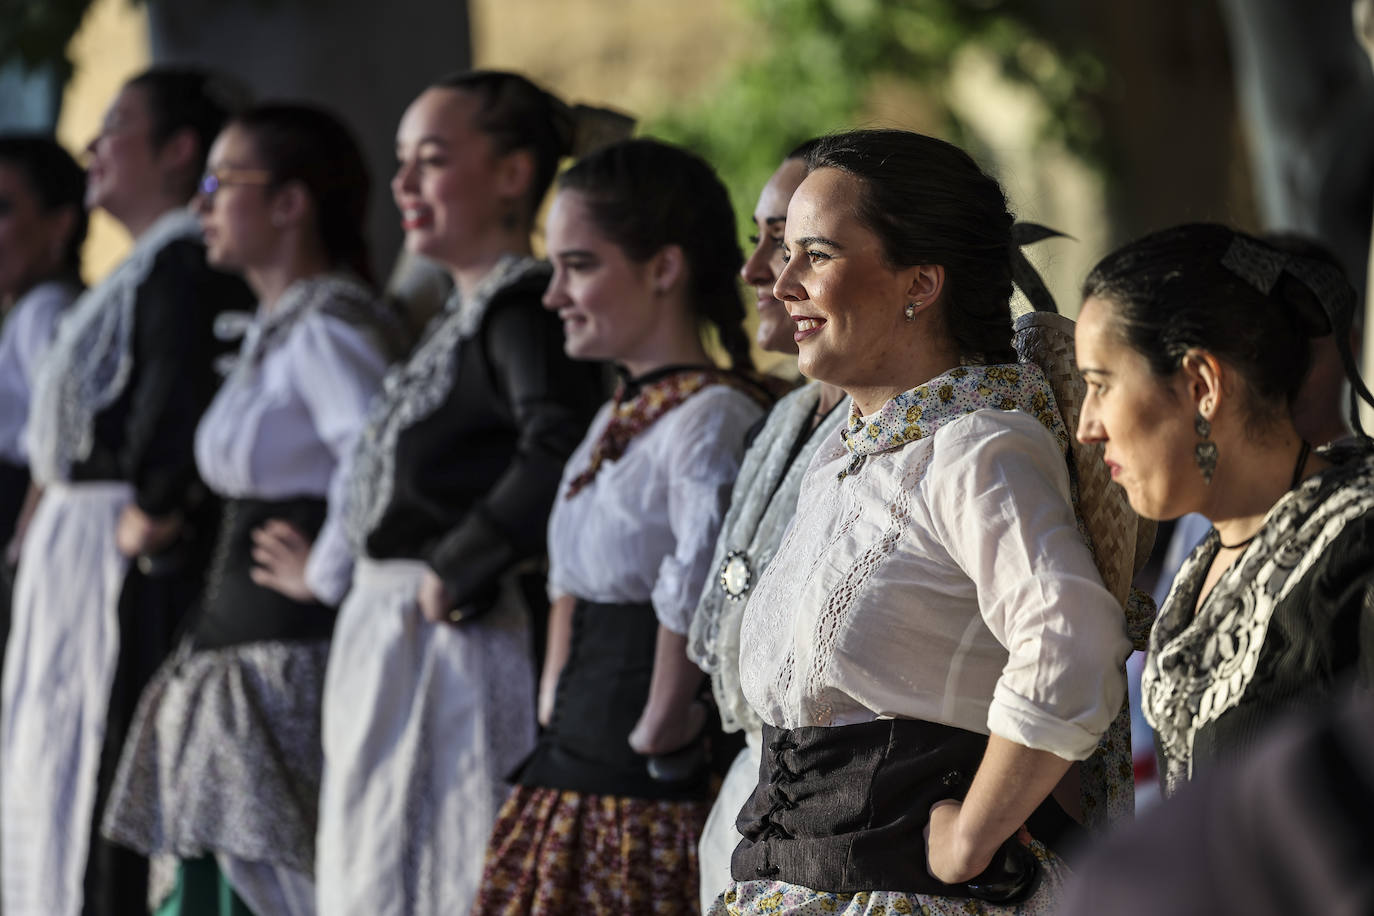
(429, 694)
(222, 766)
(42, 229)
(117, 546)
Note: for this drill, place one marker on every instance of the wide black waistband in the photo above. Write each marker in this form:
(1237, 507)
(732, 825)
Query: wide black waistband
(844, 809)
(234, 609)
(601, 695)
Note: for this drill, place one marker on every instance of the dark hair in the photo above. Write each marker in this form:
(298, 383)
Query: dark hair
(55, 179)
(645, 195)
(309, 145)
(929, 203)
(1243, 299)
(518, 115)
(188, 98)
(803, 150)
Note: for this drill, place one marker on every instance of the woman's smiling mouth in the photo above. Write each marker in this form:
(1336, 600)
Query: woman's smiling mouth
(806, 327)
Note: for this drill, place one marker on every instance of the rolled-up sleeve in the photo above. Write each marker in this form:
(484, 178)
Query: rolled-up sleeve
(339, 369)
(1004, 510)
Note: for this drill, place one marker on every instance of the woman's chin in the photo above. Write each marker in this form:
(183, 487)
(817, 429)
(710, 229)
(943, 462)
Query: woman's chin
(775, 336)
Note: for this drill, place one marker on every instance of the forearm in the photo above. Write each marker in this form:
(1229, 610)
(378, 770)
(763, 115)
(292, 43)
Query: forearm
(667, 723)
(556, 650)
(1011, 782)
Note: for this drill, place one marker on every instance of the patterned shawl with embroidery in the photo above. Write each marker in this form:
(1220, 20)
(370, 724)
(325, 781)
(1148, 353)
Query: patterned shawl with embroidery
(637, 406)
(1200, 664)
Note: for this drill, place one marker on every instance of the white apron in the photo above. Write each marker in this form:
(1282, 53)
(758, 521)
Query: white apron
(59, 670)
(422, 723)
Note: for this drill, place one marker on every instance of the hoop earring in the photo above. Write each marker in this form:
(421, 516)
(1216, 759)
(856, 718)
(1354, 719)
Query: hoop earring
(1205, 452)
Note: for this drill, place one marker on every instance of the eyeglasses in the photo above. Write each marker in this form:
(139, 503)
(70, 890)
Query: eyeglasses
(219, 178)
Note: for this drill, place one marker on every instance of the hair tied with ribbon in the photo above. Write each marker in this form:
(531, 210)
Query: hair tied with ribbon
(1264, 264)
(1023, 273)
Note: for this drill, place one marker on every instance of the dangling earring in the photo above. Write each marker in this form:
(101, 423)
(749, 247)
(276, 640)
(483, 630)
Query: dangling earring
(910, 310)
(1205, 453)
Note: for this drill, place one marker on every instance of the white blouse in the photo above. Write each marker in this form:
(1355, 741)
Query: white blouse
(944, 580)
(285, 421)
(24, 338)
(644, 529)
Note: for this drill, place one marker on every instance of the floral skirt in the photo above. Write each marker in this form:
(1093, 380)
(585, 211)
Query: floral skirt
(777, 898)
(555, 852)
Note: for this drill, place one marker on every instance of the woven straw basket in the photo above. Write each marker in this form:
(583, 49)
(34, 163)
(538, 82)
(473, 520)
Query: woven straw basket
(1121, 540)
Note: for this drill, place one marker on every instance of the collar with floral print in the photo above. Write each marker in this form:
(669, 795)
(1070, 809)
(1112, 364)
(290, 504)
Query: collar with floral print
(639, 403)
(918, 413)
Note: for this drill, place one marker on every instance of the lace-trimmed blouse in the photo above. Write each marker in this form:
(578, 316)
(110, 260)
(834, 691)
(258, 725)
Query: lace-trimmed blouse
(286, 420)
(644, 528)
(946, 580)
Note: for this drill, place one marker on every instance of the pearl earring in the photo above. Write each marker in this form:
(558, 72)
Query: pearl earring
(911, 307)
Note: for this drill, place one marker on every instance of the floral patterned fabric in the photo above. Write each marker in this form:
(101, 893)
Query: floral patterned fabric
(635, 409)
(555, 852)
(918, 413)
(776, 898)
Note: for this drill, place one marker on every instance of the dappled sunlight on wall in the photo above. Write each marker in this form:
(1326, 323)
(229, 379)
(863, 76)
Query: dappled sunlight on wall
(111, 47)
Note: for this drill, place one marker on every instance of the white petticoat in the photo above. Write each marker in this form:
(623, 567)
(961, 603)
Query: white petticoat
(719, 837)
(422, 722)
(59, 670)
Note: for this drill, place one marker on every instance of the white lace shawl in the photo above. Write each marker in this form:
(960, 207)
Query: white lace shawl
(414, 390)
(762, 505)
(92, 356)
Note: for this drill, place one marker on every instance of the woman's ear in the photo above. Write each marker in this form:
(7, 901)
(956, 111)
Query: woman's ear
(1204, 378)
(667, 268)
(515, 174)
(927, 282)
(181, 153)
(290, 204)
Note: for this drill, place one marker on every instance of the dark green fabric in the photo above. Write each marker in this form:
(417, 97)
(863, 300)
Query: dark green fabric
(202, 890)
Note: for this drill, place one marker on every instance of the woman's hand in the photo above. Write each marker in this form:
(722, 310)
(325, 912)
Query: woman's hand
(434, 600)
(949, 857)
(139, 533)
(281, 552)
(654, 734)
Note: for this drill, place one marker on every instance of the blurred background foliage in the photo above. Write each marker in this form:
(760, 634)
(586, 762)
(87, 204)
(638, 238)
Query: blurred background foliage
(819, 65)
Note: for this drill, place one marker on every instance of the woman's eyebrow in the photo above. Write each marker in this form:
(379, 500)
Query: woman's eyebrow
(818, 240)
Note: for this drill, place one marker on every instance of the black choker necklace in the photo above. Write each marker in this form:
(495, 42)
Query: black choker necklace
(1298, 468)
